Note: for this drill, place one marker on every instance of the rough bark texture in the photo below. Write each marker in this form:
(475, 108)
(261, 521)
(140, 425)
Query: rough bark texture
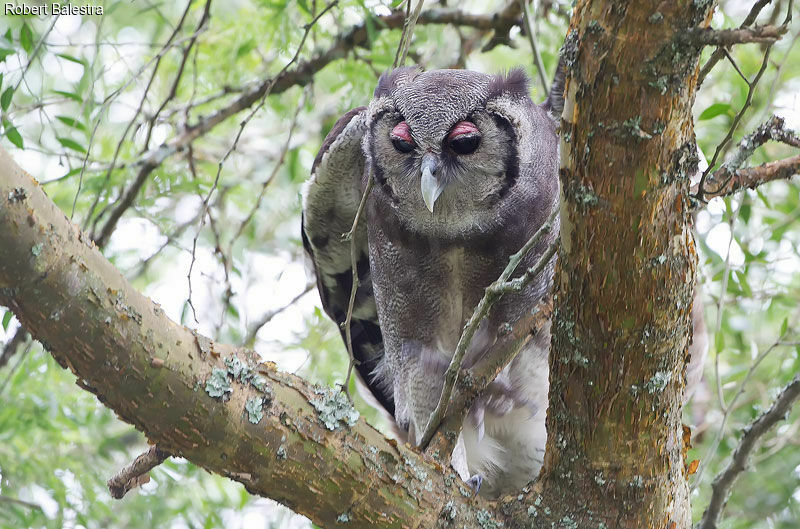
(621, 325)
(626, 272)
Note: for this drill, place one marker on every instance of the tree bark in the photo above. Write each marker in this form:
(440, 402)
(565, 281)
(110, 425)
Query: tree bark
(624, 281)
(625, 276)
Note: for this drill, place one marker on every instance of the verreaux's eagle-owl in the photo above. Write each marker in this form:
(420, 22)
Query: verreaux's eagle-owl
(465, 171)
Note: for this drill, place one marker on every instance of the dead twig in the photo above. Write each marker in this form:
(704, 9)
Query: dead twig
(137, 473)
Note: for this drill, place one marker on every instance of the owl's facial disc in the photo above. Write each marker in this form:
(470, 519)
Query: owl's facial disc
(431, 186)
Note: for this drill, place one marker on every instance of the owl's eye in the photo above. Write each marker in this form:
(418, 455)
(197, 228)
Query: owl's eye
(464, 138)
(401, 138)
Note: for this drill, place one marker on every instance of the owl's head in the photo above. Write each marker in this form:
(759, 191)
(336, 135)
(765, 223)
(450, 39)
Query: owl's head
(449, 150)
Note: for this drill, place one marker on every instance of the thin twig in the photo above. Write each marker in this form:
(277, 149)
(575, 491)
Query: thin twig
(242, 125)
(753, 177)
(750, 90)
(722, 484)
(718, 54)
(399, 59)
(493, 293)
(133, 119)
(537, 58)
(10, 348)
(712, 449)
(256, 326)
(729, 177)
(29, 505)
(351, 236)
(133, 191)
(136, 473)
(14, 368)
(407, 35)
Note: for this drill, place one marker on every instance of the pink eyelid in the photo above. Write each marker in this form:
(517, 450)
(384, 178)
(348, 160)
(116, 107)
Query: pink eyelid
(401, 131)
(463, 127)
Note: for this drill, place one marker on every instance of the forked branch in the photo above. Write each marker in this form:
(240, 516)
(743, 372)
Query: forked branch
(722, 484)
(493, 293)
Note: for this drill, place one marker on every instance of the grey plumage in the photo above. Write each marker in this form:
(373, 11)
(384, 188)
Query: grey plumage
(465, 170)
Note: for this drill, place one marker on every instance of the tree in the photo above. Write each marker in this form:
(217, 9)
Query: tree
(616, 452)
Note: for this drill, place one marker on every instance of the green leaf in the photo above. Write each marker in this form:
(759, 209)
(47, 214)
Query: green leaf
(71, 144)
(784, 326)
(245, 48)
(6, 47)
(1, 80)
(12, 134)
(70, 95)
(715, 110)
(71, 122)
(26, 38)
(5, 99)
(719, 342)
(7, 319)
(71, 58)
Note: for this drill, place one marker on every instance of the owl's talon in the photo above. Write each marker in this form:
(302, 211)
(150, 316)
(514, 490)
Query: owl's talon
(475, 482)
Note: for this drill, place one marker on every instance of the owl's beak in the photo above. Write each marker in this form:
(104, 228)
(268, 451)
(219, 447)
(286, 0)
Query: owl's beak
(431, 187)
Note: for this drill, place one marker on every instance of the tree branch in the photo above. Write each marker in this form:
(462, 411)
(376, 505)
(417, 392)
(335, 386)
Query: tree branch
(751, 177)
(729, 37)
(722, 484)
(729, 177)
(214, 404)
(137, 473)
(502, 21)
(720, 52)
(492, 294)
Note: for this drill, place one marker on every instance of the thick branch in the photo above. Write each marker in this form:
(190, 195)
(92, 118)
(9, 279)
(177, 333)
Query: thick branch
(213, 404)
(738, 464)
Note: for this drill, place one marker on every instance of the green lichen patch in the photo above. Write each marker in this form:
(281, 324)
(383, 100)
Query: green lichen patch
(333, 408)
(260, 383)
(633, 127)
(658, 382)
(255, 409)
(486, 521)
(569, 51)
(37, 249)
(584, 196)
(218, 385)
(343, 518)
(238, 370)
(449, 512)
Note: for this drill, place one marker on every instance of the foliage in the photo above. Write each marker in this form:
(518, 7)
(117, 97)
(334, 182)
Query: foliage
(70, 95)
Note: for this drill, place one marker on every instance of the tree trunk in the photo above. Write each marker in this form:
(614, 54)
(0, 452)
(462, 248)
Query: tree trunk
(625, 276)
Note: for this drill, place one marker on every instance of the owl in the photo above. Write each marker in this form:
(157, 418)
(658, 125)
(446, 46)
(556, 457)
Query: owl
(464, 170)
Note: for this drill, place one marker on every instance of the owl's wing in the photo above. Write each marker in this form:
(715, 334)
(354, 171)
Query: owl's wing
(330, 201)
